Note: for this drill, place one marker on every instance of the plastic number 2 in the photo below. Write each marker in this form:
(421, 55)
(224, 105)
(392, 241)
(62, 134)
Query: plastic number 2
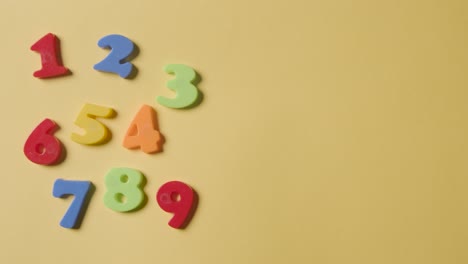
(96, 132)
(187, 93)
(115, 62)
(124, 190)
(81, 190)
(42, 147)
(143, 131)
(48, 47)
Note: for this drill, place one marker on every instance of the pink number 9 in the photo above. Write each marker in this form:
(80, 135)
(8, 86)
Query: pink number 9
(178, 198)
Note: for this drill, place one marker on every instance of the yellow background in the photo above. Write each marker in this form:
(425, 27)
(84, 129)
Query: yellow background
(330, 131)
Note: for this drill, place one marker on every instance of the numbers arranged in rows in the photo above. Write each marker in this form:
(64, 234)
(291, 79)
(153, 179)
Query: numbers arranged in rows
(124, 186)
(42, 147)
(124, 193)
(118, 62)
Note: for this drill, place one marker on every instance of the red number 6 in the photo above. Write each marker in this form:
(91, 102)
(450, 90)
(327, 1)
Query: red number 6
(42, 147)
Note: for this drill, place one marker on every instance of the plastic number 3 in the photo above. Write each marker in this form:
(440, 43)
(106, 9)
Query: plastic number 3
(96, 132)
(187, 93)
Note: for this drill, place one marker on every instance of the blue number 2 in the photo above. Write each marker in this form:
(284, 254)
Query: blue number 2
(116, 62)
(76, 211)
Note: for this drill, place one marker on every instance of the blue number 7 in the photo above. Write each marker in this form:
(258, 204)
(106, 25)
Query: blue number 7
(82, 192)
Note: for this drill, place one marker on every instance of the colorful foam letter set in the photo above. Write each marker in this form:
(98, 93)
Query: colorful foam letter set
(124, 186)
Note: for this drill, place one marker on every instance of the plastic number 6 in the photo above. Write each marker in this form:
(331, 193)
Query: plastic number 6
(42, 147)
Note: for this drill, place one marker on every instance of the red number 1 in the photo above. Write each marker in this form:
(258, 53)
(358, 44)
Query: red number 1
(49, 48)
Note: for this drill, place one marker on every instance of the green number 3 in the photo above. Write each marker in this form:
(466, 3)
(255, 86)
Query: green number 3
(187, 93)
(124, 189)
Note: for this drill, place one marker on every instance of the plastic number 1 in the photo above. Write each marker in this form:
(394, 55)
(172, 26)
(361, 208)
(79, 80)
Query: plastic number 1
(96, 132)
(48, 47)
(81, 191)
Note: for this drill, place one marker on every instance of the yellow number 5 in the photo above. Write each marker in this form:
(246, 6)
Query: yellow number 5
(95, 132)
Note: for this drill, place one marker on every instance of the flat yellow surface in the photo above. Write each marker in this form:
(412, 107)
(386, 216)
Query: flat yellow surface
(331, 132)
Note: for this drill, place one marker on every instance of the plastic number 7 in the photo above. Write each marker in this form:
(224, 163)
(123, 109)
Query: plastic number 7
(77, 209)
(96, 132)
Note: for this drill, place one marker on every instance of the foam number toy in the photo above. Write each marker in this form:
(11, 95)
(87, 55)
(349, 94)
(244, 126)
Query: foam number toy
(186, 92)
(143, 131)
(124, 189)
(116, 62)
(95, 132)
(178, 198)
(77, 209)
(49, 48)
(42, 147)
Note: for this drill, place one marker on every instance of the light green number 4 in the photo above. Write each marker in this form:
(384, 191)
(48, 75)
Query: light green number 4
(186, 92)
(124, 189)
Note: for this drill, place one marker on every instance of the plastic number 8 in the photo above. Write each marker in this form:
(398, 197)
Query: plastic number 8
(124, 189)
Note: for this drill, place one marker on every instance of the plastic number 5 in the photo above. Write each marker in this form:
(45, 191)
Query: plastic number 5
(95, 132)
(187, 93)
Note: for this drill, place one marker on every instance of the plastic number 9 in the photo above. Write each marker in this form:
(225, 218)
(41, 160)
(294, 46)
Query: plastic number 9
(178, 198)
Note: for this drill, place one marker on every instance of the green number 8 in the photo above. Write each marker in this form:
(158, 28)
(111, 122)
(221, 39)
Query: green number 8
(124, 189)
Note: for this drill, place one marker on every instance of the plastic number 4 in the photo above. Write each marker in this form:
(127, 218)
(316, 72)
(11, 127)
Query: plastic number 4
(81, 191)
(143, 131)
(95, 131)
